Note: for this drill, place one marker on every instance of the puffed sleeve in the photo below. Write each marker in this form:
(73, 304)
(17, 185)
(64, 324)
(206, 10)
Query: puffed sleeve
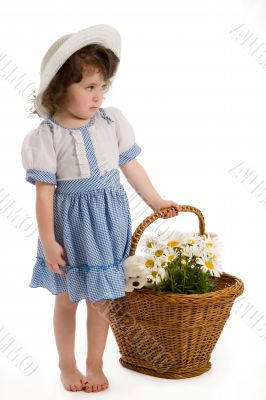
(128, 148)
(38, 155)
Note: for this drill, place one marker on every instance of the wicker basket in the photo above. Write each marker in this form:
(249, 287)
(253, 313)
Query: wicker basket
(171, 335)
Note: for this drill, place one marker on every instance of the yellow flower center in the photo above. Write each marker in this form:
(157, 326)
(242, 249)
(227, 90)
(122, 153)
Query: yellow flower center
(154, 274)
(170, 258)
(209, 244)
(212, 255)
(209, 264)
(158, 253)
(173, 243)
(149, 244)
(149, 263)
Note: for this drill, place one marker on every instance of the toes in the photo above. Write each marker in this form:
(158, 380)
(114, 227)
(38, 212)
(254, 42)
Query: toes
(71, 388)
(76, 388)
(104, 385)
(83, 382)
(95, 388)
(88, 388)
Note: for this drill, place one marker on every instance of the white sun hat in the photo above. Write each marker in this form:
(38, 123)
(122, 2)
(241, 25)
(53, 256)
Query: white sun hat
(68, 44)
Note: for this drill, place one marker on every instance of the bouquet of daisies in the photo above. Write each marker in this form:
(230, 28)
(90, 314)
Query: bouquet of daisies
(175, 262)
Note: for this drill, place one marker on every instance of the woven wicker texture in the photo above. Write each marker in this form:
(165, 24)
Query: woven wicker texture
(170, 335)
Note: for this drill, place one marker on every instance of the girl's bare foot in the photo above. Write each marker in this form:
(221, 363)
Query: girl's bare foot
(97, 381)
(73, 380)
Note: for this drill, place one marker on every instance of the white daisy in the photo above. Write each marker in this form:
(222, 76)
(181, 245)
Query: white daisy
(148, 241)
(208, 264)
(170, 254)
(157, 251)
(210, 241)
(192, 250)
(156, 275)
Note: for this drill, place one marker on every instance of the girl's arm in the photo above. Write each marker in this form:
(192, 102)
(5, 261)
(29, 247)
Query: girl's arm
(139, 180)
(54, 253)
(44, 211)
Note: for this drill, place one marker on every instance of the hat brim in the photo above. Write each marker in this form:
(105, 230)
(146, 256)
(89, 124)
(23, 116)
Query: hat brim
(102, 34)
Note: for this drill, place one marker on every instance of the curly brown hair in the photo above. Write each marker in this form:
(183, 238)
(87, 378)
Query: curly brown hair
(87, 59)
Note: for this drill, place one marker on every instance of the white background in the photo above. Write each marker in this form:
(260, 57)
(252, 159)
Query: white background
(195, 96)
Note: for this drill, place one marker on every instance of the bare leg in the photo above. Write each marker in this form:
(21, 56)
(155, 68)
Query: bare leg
(97, 330)
(64, 330)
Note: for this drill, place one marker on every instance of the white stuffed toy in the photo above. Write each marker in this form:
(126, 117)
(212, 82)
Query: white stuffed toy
(135, 272)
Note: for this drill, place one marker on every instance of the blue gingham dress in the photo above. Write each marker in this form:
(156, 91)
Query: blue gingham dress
(92, 218)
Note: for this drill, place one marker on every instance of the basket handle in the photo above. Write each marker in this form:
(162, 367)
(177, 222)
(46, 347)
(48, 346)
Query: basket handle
(160, 213)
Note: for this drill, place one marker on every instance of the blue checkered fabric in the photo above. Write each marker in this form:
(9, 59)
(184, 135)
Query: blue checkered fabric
(92, 222)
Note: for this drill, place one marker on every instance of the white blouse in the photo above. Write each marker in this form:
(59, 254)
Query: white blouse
(51, 152)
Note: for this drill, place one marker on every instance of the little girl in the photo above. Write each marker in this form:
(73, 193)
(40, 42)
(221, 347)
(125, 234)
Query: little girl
(73, 158)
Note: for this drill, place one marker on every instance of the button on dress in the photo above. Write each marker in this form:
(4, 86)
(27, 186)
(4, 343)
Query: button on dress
(92, 218)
